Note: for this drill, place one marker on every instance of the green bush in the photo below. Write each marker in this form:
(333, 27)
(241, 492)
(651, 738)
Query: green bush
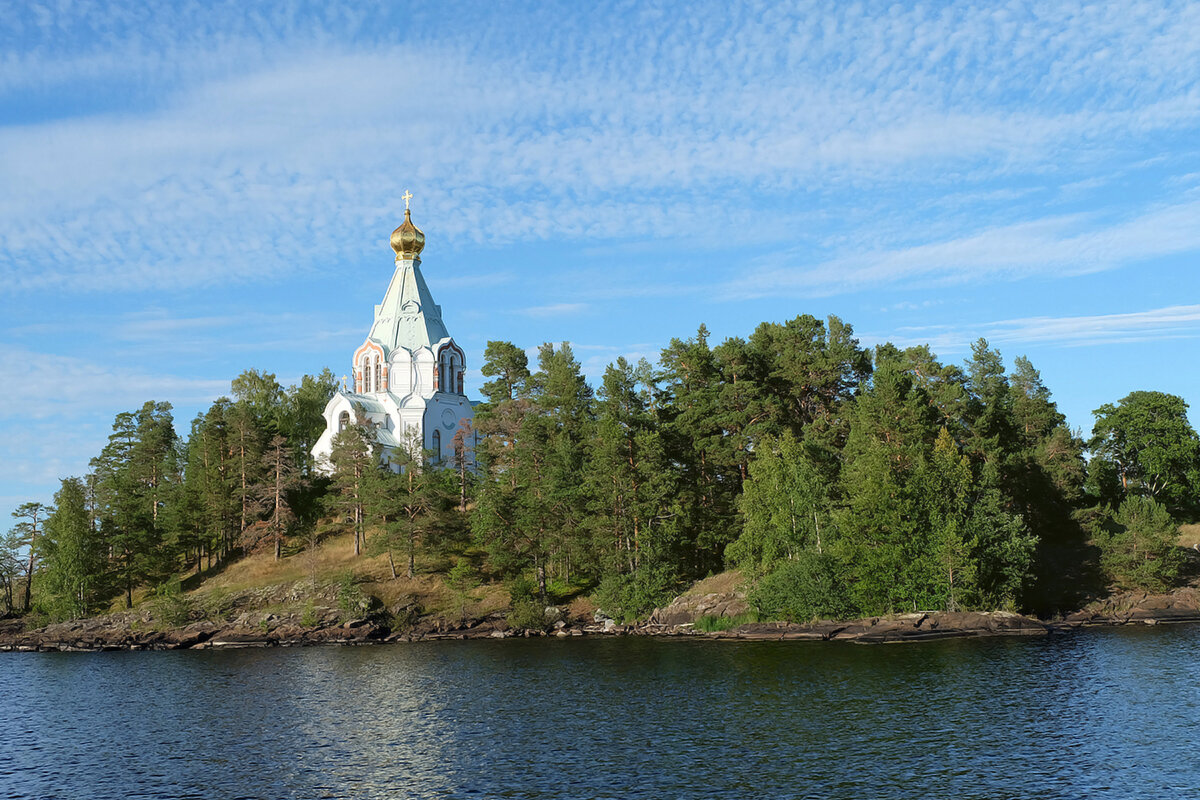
(806, 587)
(171, 606)
(527, 615)
(629, 597)
(526, 611)
(308, 617)
(351, 599)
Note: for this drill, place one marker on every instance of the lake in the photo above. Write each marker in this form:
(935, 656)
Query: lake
(1105, 713)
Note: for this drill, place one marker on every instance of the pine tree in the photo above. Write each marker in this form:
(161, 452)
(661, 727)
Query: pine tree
(11, 568)
(32, 518)
(812, 368)
(463, 461)
(629, 483)
(281, 479)
(883, 525)
(406, 503)
(245, 441)
(133, 476)
(705, 507)
(352, 459)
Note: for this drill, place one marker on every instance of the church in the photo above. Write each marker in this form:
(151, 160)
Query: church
(407, 383)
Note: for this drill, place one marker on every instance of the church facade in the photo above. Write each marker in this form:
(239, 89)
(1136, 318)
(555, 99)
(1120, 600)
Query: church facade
(406, 379)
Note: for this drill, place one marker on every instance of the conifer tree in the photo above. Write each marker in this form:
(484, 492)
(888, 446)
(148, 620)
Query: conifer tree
(813, 368)
(406, 504)
(31, 520)
(884, 533)
(245, 444)
(629, 483)
(11, 568)
(281, 479)
(562, 427)
(352, 459)
(133, 476)
(463, 461)
(705, 507)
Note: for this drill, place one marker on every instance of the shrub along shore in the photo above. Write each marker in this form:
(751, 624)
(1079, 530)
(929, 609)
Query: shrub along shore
(841, 482)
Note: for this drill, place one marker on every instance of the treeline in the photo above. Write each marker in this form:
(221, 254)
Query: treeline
(842, 480)
(155, 504)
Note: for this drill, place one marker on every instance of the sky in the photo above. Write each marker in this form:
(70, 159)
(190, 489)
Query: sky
(191, 190)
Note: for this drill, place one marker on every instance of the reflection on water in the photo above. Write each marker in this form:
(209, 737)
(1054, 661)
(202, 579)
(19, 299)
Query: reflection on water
(1100, 714)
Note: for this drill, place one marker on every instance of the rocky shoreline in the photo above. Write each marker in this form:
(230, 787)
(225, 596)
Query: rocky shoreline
(130, 631)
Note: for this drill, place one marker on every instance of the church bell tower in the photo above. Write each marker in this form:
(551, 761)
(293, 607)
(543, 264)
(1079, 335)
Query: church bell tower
(406, 379)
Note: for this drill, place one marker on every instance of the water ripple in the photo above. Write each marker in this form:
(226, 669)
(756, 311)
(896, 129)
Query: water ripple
(1100, 714)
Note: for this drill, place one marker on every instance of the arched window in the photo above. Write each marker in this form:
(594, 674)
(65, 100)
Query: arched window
(378, 375)
(343, 421)
(366, 367)
(437, 446)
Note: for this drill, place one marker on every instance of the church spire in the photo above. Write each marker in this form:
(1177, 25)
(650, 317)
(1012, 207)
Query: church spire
(408, 240)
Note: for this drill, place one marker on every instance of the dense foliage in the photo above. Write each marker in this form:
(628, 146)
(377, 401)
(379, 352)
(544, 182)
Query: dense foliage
(842, 481)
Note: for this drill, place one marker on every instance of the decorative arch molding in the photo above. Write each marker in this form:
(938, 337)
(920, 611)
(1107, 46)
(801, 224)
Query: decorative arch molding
(370, 368)
(451, 365)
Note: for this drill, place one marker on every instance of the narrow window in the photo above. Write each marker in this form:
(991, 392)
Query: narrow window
(378, 375)
(343, 421)
(437, 446)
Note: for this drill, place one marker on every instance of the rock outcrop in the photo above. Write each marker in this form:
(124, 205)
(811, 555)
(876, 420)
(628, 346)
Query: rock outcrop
(324, 625)
(687, 609)
(1181, 605)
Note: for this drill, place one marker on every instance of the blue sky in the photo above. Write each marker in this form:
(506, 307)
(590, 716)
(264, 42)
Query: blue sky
(191, 190)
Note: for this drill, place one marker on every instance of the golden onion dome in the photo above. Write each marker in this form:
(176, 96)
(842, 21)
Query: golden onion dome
(408, 241)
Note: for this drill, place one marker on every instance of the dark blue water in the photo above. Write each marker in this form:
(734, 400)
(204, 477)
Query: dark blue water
(1098, 714)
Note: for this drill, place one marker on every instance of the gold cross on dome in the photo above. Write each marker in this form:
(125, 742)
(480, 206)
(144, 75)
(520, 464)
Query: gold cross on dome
(407, 196)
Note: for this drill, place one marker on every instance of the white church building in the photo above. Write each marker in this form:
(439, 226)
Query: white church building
(407, 379)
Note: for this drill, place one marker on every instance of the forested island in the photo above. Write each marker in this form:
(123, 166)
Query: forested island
(838, 481)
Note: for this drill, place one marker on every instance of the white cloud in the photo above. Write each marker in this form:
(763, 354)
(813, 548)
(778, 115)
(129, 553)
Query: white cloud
(1052, 247)
(278, 160)
(70, 388)
(57, 411)
(1171, 322)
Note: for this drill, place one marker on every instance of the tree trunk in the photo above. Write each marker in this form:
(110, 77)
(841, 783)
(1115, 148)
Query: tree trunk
(412, 552)
(29, 576)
